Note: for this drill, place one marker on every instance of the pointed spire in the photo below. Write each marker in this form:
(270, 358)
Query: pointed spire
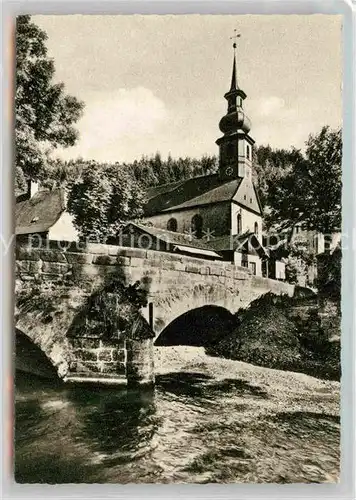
(235, 119)
(234, 85)
(235, 95)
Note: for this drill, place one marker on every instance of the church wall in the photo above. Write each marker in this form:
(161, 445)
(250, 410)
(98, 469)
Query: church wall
(248, 220)
(216, 218)
(246, 194)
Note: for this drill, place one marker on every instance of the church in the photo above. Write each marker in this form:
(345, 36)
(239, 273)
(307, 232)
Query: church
(214, 217)
(221, 210)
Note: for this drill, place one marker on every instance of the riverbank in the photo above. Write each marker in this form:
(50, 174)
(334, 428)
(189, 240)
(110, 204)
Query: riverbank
(288, 423)
(297, 391)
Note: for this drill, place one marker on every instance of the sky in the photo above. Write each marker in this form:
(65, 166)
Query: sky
(156, 83)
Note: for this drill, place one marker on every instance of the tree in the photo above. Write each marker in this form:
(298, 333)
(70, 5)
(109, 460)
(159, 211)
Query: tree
(102, 199)
(20, 182)
(323, 184)
(44, 114)
(310, 192)
(299, 260)
(270, 167)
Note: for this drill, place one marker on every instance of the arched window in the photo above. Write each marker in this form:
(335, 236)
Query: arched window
(172, 224)
(239, 224)
(256, 229)
(248, 152)
(197, 225)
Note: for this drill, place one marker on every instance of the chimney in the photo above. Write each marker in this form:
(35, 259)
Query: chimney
(33, 188)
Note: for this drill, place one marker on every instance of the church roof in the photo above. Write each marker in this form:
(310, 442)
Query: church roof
(177, 241)
(39, 213)
(189, 193)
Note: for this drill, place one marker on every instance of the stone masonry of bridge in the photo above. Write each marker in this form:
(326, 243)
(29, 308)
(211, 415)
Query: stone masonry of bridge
(174, 284)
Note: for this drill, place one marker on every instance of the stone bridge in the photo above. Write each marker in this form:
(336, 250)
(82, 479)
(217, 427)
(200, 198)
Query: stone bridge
(186, 301)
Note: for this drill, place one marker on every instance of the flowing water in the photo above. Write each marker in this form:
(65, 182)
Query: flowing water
(207, 420)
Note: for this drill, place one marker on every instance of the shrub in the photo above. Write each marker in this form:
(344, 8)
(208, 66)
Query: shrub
(263, 335)
(270, 333)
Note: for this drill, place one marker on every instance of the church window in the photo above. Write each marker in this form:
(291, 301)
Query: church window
(256, 228)
(239, 224)
(244, 197)
(248, 152)
(197, 225)
(172, 225)
(250, 200)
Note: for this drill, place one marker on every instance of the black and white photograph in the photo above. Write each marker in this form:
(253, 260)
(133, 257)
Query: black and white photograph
(177, 248)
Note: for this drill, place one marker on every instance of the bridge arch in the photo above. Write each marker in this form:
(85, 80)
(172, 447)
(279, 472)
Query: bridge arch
(170, 305)
(43, 315)
(197, 327)
(30, 358)
(47, 339)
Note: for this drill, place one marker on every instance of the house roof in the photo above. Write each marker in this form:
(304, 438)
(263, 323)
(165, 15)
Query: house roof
(237, 242)
(39, 213)
(176, 239)
(195, 251)
(281, 243)
(222, 243)
(190, 193)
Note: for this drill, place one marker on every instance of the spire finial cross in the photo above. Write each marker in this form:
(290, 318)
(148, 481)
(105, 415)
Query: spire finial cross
(235, 37)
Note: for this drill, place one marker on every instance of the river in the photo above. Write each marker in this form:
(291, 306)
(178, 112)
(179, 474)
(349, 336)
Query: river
(207, 420)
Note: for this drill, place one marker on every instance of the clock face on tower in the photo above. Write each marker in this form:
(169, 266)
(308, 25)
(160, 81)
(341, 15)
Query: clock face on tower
(229, 170)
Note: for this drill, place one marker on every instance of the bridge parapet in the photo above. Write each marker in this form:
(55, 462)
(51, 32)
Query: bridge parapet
(56, 259)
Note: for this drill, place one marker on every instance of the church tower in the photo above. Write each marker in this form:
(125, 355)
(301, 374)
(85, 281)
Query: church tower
(235, 146)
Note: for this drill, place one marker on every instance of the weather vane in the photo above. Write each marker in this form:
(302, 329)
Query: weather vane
(235, 37)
